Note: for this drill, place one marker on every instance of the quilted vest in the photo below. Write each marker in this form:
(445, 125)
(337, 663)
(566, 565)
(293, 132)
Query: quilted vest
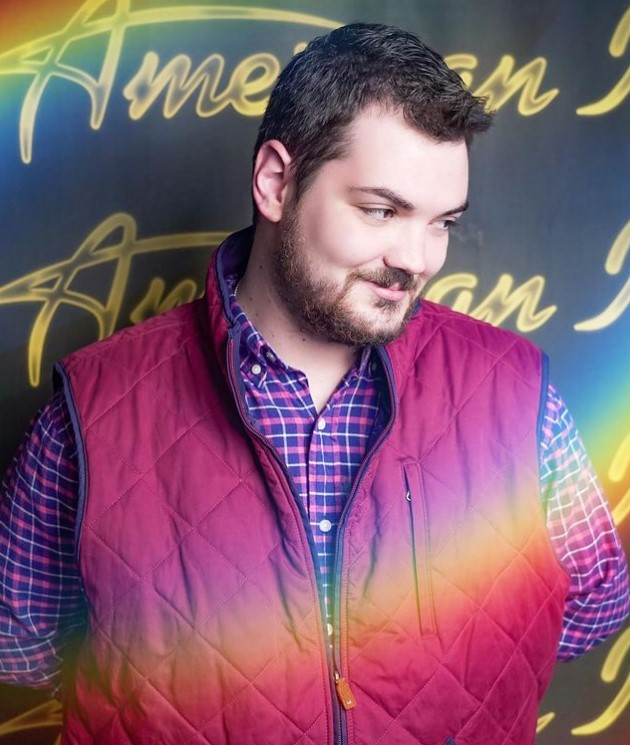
(205, 611)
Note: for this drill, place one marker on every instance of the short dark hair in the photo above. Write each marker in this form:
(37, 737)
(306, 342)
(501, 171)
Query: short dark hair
(324, 87)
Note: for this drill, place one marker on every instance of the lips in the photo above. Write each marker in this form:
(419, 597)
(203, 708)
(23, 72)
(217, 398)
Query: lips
(393, 293)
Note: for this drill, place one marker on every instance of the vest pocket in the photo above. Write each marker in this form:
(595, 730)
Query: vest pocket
(419, 526)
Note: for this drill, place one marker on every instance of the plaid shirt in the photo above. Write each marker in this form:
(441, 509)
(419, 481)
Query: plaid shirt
(322, 451)
(41, 597)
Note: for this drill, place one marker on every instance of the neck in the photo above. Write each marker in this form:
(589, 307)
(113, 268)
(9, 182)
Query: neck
(324, 363)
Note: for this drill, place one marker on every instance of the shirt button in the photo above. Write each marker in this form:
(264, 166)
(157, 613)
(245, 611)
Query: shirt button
(321, 424)
(329, 629)
(256, 369)
(325, 526)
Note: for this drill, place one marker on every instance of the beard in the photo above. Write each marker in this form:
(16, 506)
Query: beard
(322, 307)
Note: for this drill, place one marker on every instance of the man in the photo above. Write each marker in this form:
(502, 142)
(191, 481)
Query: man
(308, 507)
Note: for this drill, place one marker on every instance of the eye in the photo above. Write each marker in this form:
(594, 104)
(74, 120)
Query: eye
(447, 224)
(379, 213)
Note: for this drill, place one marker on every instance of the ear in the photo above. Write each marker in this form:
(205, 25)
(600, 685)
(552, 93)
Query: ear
(271, 179)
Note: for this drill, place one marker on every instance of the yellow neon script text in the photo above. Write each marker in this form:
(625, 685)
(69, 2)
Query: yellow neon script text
(503, 83)
(544, 721)
(610, 670)
(254, 76)
(500, 303)
(43, 58)
(620, 469)
(614, 262)
(114, 240)
(618, 45)
(40, 717)
(154, 302)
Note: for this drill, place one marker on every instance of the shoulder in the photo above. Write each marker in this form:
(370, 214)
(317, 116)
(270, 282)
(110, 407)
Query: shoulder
(472, 331)
(453, 356)
(437, 329)
(141, 346)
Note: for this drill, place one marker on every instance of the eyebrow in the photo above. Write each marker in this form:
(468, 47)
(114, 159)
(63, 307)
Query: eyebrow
(400, 201)
(462, 208)
(387, 194)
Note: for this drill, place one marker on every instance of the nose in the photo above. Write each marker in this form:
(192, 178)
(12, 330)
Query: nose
(407, 251)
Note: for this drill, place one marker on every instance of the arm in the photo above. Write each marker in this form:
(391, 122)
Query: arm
(582, 533)
(41, 600)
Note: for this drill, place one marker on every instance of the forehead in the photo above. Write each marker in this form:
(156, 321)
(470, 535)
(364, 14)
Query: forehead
(385, 151)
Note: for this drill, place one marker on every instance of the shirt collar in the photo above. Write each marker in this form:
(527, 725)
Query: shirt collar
(254, 350)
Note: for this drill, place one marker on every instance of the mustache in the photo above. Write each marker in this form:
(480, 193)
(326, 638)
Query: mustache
(387, 277)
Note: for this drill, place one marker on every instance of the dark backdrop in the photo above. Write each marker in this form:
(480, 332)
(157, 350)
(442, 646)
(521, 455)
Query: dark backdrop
(125, 157)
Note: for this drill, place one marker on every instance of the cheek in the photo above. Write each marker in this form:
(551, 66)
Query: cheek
(333, 239)
(436, 259)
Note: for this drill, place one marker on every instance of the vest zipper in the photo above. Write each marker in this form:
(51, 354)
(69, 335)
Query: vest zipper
(419, 527)
(342, 696)
(344, 683)
(334, 676)
(344, 692)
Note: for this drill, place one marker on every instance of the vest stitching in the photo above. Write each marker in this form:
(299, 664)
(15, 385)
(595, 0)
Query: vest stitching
(519, 554)
(144, 579)
(517, 645)
(102, 359)
(457, 410)
(436, 550)
(517, 718)
(141, 474)
(395, 720)
(499, 357)
(516, 648)
(442, 665)
(434, 332)
(146, 682)
(549, 599)
(448, 424)
(192, 528)
(151, 326)
(446, 325)
(481, 702)
(250, 681)
(521, 551)
(550, 594)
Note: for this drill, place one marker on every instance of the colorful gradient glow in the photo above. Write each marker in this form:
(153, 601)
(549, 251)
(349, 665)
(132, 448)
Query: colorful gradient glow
(27, 20)
(605, 425)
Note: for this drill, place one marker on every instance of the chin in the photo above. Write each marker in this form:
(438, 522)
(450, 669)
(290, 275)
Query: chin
(376, 333)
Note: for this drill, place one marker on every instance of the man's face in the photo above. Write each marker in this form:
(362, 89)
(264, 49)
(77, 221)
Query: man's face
(372, 228)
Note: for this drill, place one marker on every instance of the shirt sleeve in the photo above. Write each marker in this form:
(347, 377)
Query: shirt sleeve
(582, 533)
(41, 599)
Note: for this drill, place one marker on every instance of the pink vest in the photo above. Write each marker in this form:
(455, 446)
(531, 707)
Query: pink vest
(205, 619)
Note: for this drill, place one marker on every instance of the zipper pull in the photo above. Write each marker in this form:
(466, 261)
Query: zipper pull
(344, 692)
